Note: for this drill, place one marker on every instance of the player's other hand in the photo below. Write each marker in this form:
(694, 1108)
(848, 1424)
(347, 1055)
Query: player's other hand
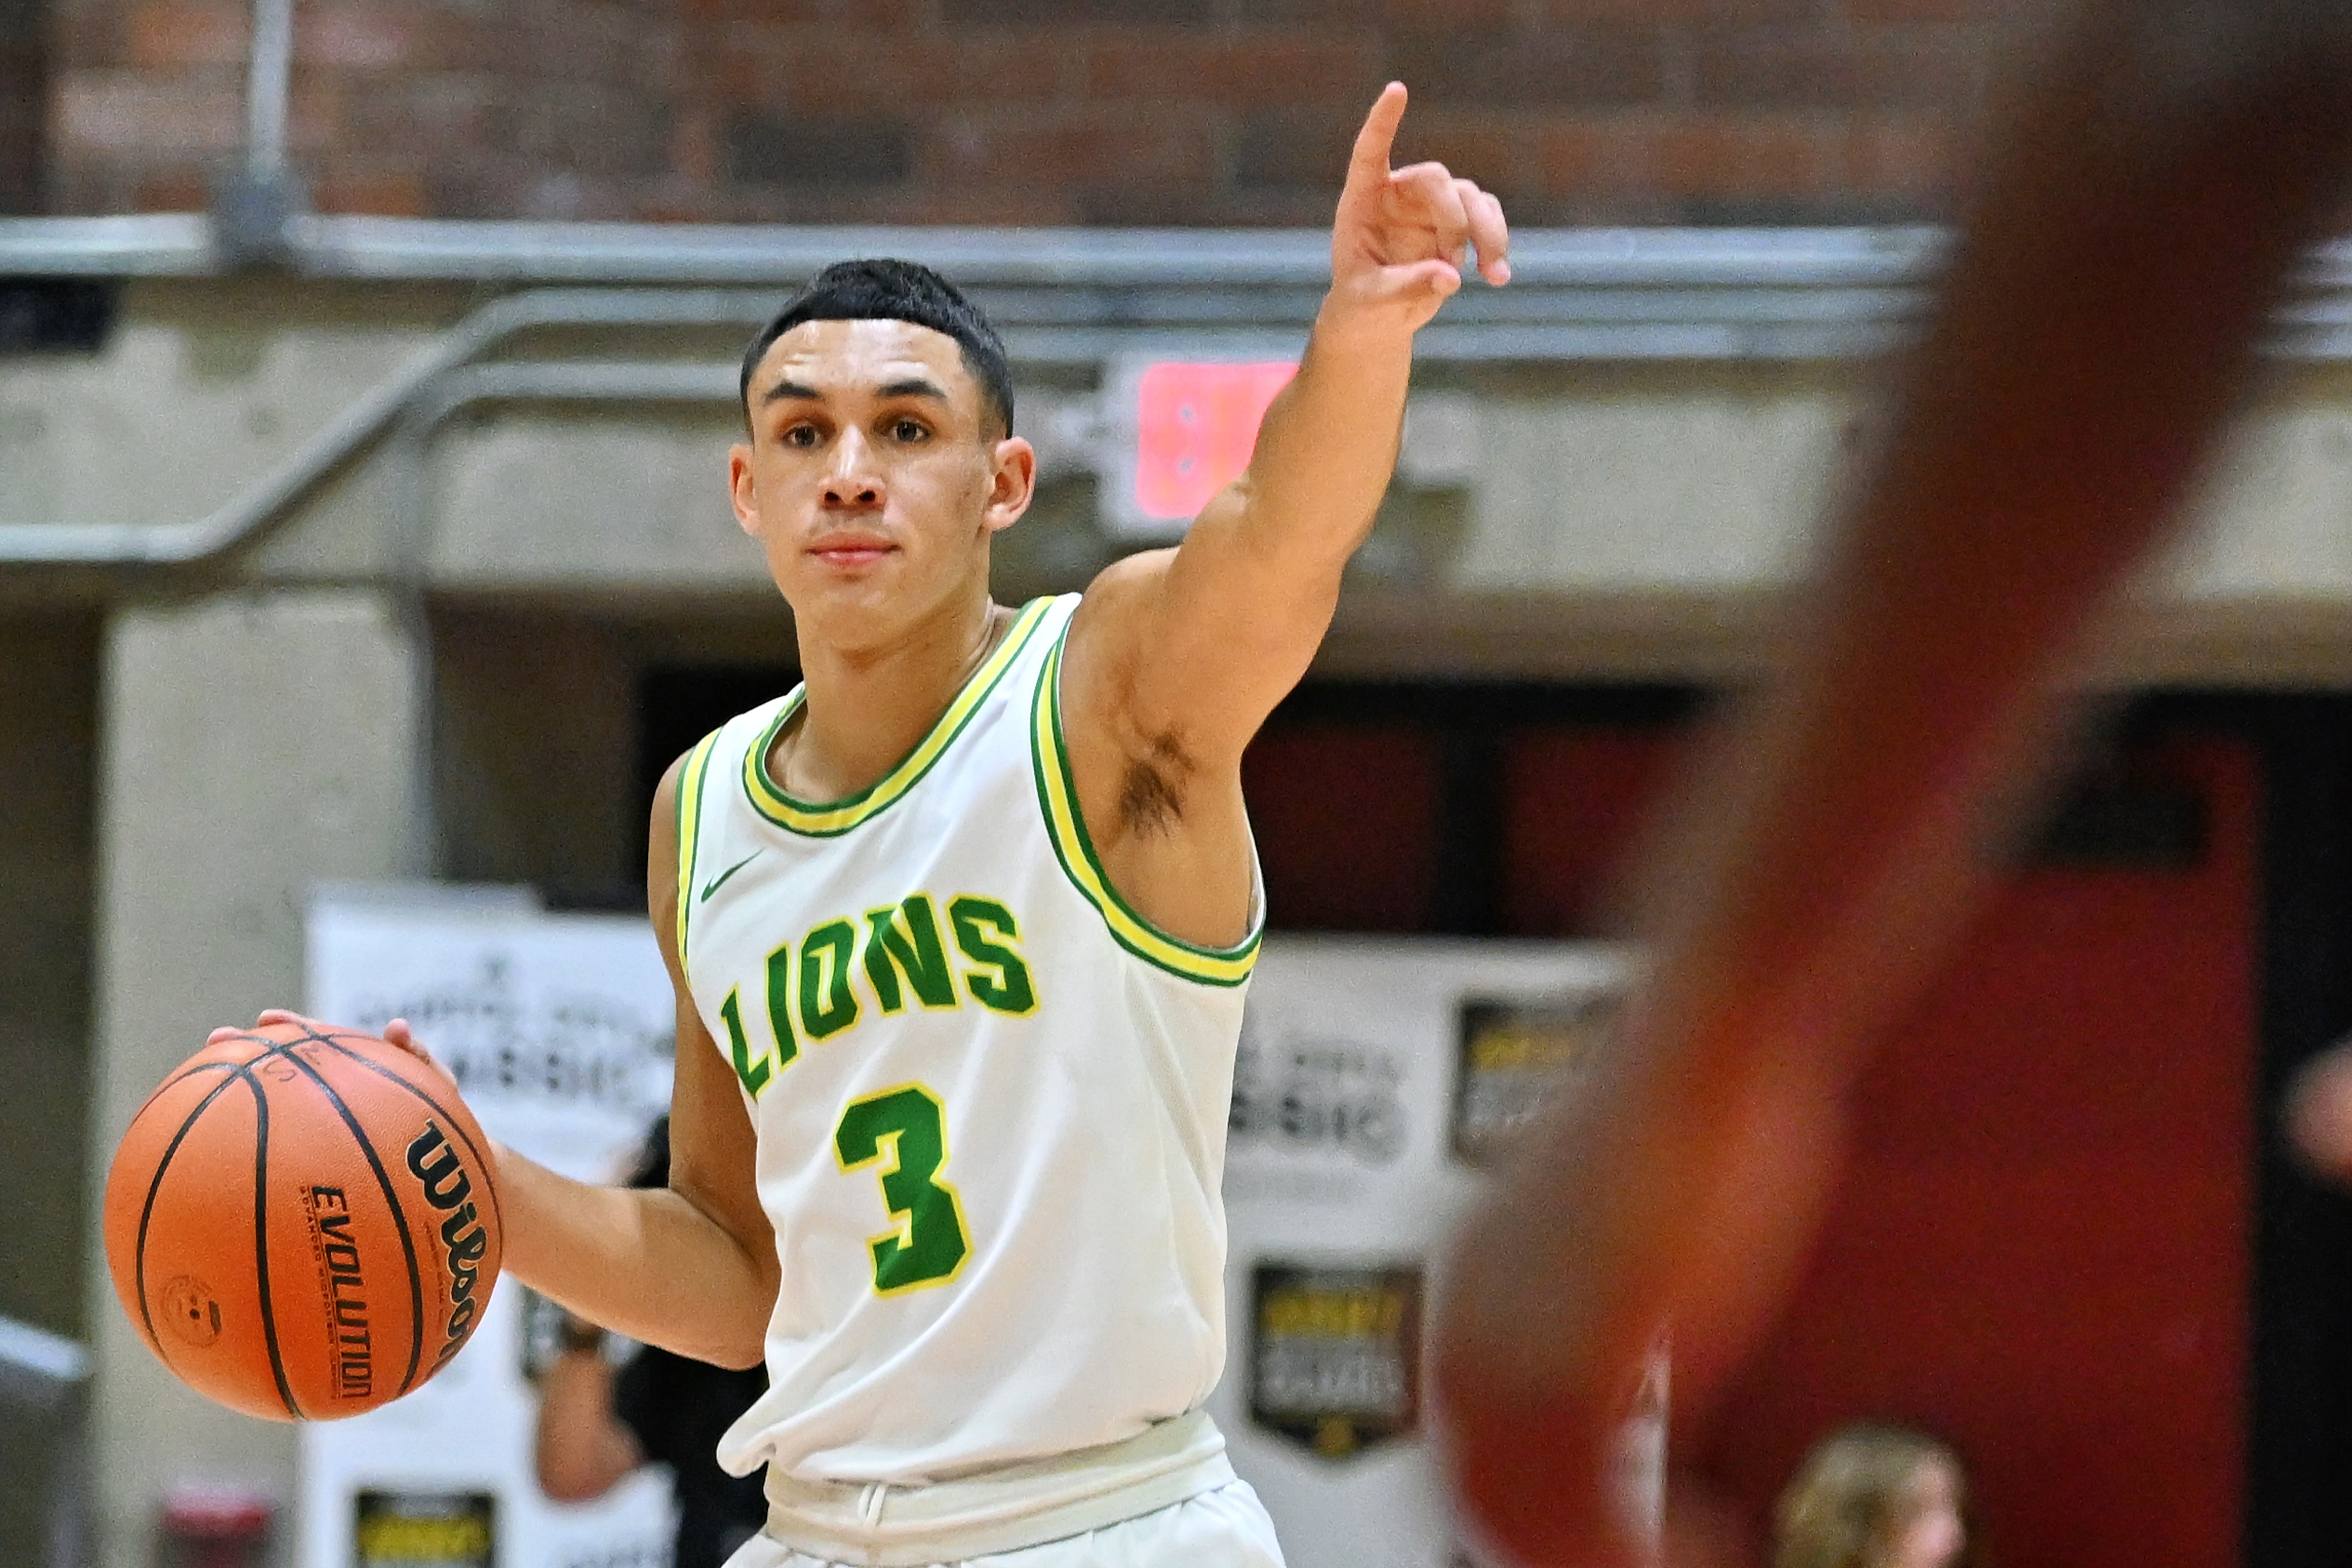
(1404, 237)
(396, 1034)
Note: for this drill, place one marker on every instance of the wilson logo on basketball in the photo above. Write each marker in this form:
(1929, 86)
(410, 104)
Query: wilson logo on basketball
(448, 1189)
(345, 1291)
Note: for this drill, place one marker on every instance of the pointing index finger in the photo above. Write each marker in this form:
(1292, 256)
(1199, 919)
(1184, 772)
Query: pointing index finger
(1370, 159)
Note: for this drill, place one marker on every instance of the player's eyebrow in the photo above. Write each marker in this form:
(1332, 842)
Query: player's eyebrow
(790, 391)
(913, 386)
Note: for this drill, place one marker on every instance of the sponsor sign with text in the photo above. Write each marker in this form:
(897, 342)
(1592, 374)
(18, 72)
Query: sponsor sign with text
(1335, 1353)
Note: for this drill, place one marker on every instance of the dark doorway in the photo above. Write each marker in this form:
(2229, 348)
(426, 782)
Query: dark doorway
(24, 103)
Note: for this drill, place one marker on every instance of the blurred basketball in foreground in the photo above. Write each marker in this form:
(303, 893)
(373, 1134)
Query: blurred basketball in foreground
(300, 1222)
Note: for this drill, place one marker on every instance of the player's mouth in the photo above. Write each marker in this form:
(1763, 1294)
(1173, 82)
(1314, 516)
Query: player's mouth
(849, 553)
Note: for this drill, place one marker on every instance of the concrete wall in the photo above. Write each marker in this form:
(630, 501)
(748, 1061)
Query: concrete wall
(1638, 516)
(1621, 522)
(201, 389)
(254, 744)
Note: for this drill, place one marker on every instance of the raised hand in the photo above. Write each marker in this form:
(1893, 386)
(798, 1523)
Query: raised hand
(1402, 236)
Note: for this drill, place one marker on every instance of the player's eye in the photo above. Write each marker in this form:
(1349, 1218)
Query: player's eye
(801, 434)
(909, 431)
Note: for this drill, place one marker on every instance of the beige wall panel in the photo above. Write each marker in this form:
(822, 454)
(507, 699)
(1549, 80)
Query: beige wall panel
(546, 501)
(254, 746)
(1667, 496)
(1655, 493)
(2276, 519)
(341, 532)
(195, 398)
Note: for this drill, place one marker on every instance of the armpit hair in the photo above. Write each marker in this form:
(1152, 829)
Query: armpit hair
(1151, 797)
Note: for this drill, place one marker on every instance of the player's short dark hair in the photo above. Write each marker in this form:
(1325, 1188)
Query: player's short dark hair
(881, 289)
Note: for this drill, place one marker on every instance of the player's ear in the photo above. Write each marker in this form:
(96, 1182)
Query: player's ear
(1013, 482)
(742, 489)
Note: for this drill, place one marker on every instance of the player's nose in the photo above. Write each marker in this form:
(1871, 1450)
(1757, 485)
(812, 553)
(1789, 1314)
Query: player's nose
(851, 480)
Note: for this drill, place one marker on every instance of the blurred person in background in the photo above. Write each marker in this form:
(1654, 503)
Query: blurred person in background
(599, 1421)
(1875, 1496)
(2159, 172)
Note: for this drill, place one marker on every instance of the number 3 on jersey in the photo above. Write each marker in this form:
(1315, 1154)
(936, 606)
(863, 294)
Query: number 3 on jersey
(905, 1132)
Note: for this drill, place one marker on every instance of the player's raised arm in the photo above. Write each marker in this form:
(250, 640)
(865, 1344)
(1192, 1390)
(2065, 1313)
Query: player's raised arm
(1177, 656)
(2162, 175)
(1208, 638)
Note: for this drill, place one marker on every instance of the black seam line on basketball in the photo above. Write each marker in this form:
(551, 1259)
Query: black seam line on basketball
(147, 1209)
(399, 1220)
(490, 1174)
(239, 1072)
(187, 1072)
(261, 1239)
(312, 1036)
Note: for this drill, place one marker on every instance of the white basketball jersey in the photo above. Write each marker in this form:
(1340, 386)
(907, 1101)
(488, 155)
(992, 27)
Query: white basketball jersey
(991, 1099)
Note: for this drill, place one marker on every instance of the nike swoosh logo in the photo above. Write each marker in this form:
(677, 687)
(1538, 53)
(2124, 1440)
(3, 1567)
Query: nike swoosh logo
(710, 887)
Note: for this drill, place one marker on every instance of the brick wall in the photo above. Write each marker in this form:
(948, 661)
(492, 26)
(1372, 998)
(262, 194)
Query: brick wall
(1089, 111)
(21, 96)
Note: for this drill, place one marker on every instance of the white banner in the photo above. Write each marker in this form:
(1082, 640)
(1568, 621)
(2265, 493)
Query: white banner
(1374, 1075)
(558, 1029)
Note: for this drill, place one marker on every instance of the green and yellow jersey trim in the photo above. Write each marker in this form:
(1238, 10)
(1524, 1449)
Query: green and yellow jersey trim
(837, 817)
(1057, 794)
(689, 828)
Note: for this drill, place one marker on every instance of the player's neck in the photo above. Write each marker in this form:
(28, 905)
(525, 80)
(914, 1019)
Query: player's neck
(867, 707)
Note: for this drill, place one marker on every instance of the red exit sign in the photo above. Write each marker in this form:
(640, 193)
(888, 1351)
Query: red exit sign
(1195, 427)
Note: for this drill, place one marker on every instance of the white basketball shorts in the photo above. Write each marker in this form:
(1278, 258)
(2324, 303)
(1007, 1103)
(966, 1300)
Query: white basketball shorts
(1225, 1527)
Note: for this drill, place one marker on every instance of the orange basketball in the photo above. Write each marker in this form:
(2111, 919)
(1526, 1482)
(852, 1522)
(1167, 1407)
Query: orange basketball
(301, 1224)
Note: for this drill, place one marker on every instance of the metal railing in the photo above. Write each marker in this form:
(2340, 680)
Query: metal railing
(170, 544)
(188, 244)
(1060, 296)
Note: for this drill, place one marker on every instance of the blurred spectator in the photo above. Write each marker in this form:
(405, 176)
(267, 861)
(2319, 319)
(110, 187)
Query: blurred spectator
(1873, 1496)
(598, 1422)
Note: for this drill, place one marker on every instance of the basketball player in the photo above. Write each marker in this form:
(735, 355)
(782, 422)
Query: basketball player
(960, 929)
(2161, 171)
